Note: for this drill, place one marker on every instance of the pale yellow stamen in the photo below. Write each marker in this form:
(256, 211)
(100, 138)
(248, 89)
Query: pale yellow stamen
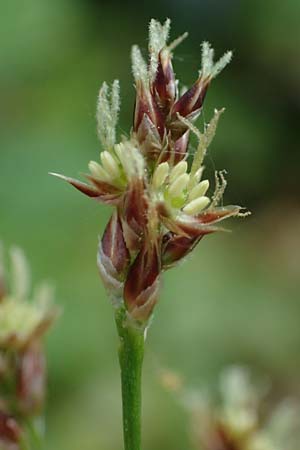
(178, 170)
(177, 187)
(196, 206)
(110, 165)
(160, 175)
(98, 172)
(197, 177)
(199, 190)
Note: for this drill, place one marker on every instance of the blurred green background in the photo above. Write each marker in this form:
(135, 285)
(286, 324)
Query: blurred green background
(236, 299)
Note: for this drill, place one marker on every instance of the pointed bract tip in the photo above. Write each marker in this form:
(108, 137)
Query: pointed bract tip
(57, 175)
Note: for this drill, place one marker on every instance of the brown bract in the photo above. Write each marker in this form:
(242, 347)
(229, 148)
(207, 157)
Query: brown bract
(142, 284)
(195, 226)
(158, 130)
(176, 247)
(134, 213)
(145, 104)
(99, 190)
(176, 150)
(113, 245)
(113, 257)
(192, 100)
(10, 431)
(164, 85)
(31, 379)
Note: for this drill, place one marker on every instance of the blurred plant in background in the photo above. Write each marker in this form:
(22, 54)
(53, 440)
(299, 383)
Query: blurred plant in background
(239, 415)
(23, 323)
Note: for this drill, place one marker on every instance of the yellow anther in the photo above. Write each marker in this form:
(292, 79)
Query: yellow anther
(179, 184)
(160, 175)
(119, 149)
(109, 164)
(198, 174)
(98, 172)
(199, 190)
(178, 170)
(196, 206)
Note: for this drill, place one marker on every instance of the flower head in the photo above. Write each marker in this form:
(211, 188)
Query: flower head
(23, 321)
(163, 205)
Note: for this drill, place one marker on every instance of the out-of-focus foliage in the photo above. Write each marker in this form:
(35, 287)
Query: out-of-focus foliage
(237, 298)
(238, 414)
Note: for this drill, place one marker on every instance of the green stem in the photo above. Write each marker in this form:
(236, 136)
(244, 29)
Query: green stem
(131, 353)
(34, 436)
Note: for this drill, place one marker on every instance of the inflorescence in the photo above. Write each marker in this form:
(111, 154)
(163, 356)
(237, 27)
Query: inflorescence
(163, 205)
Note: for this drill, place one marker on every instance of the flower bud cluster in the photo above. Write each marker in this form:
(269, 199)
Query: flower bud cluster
(22, 363)
(162, 204)
(172, 185)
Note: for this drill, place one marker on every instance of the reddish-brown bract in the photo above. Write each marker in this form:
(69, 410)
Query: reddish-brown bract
(31, 379)
(142, 284)
(114, 246)
(10, 431)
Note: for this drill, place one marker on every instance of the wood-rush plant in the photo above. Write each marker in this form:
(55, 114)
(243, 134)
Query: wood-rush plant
(161, 206)
(23, 323)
